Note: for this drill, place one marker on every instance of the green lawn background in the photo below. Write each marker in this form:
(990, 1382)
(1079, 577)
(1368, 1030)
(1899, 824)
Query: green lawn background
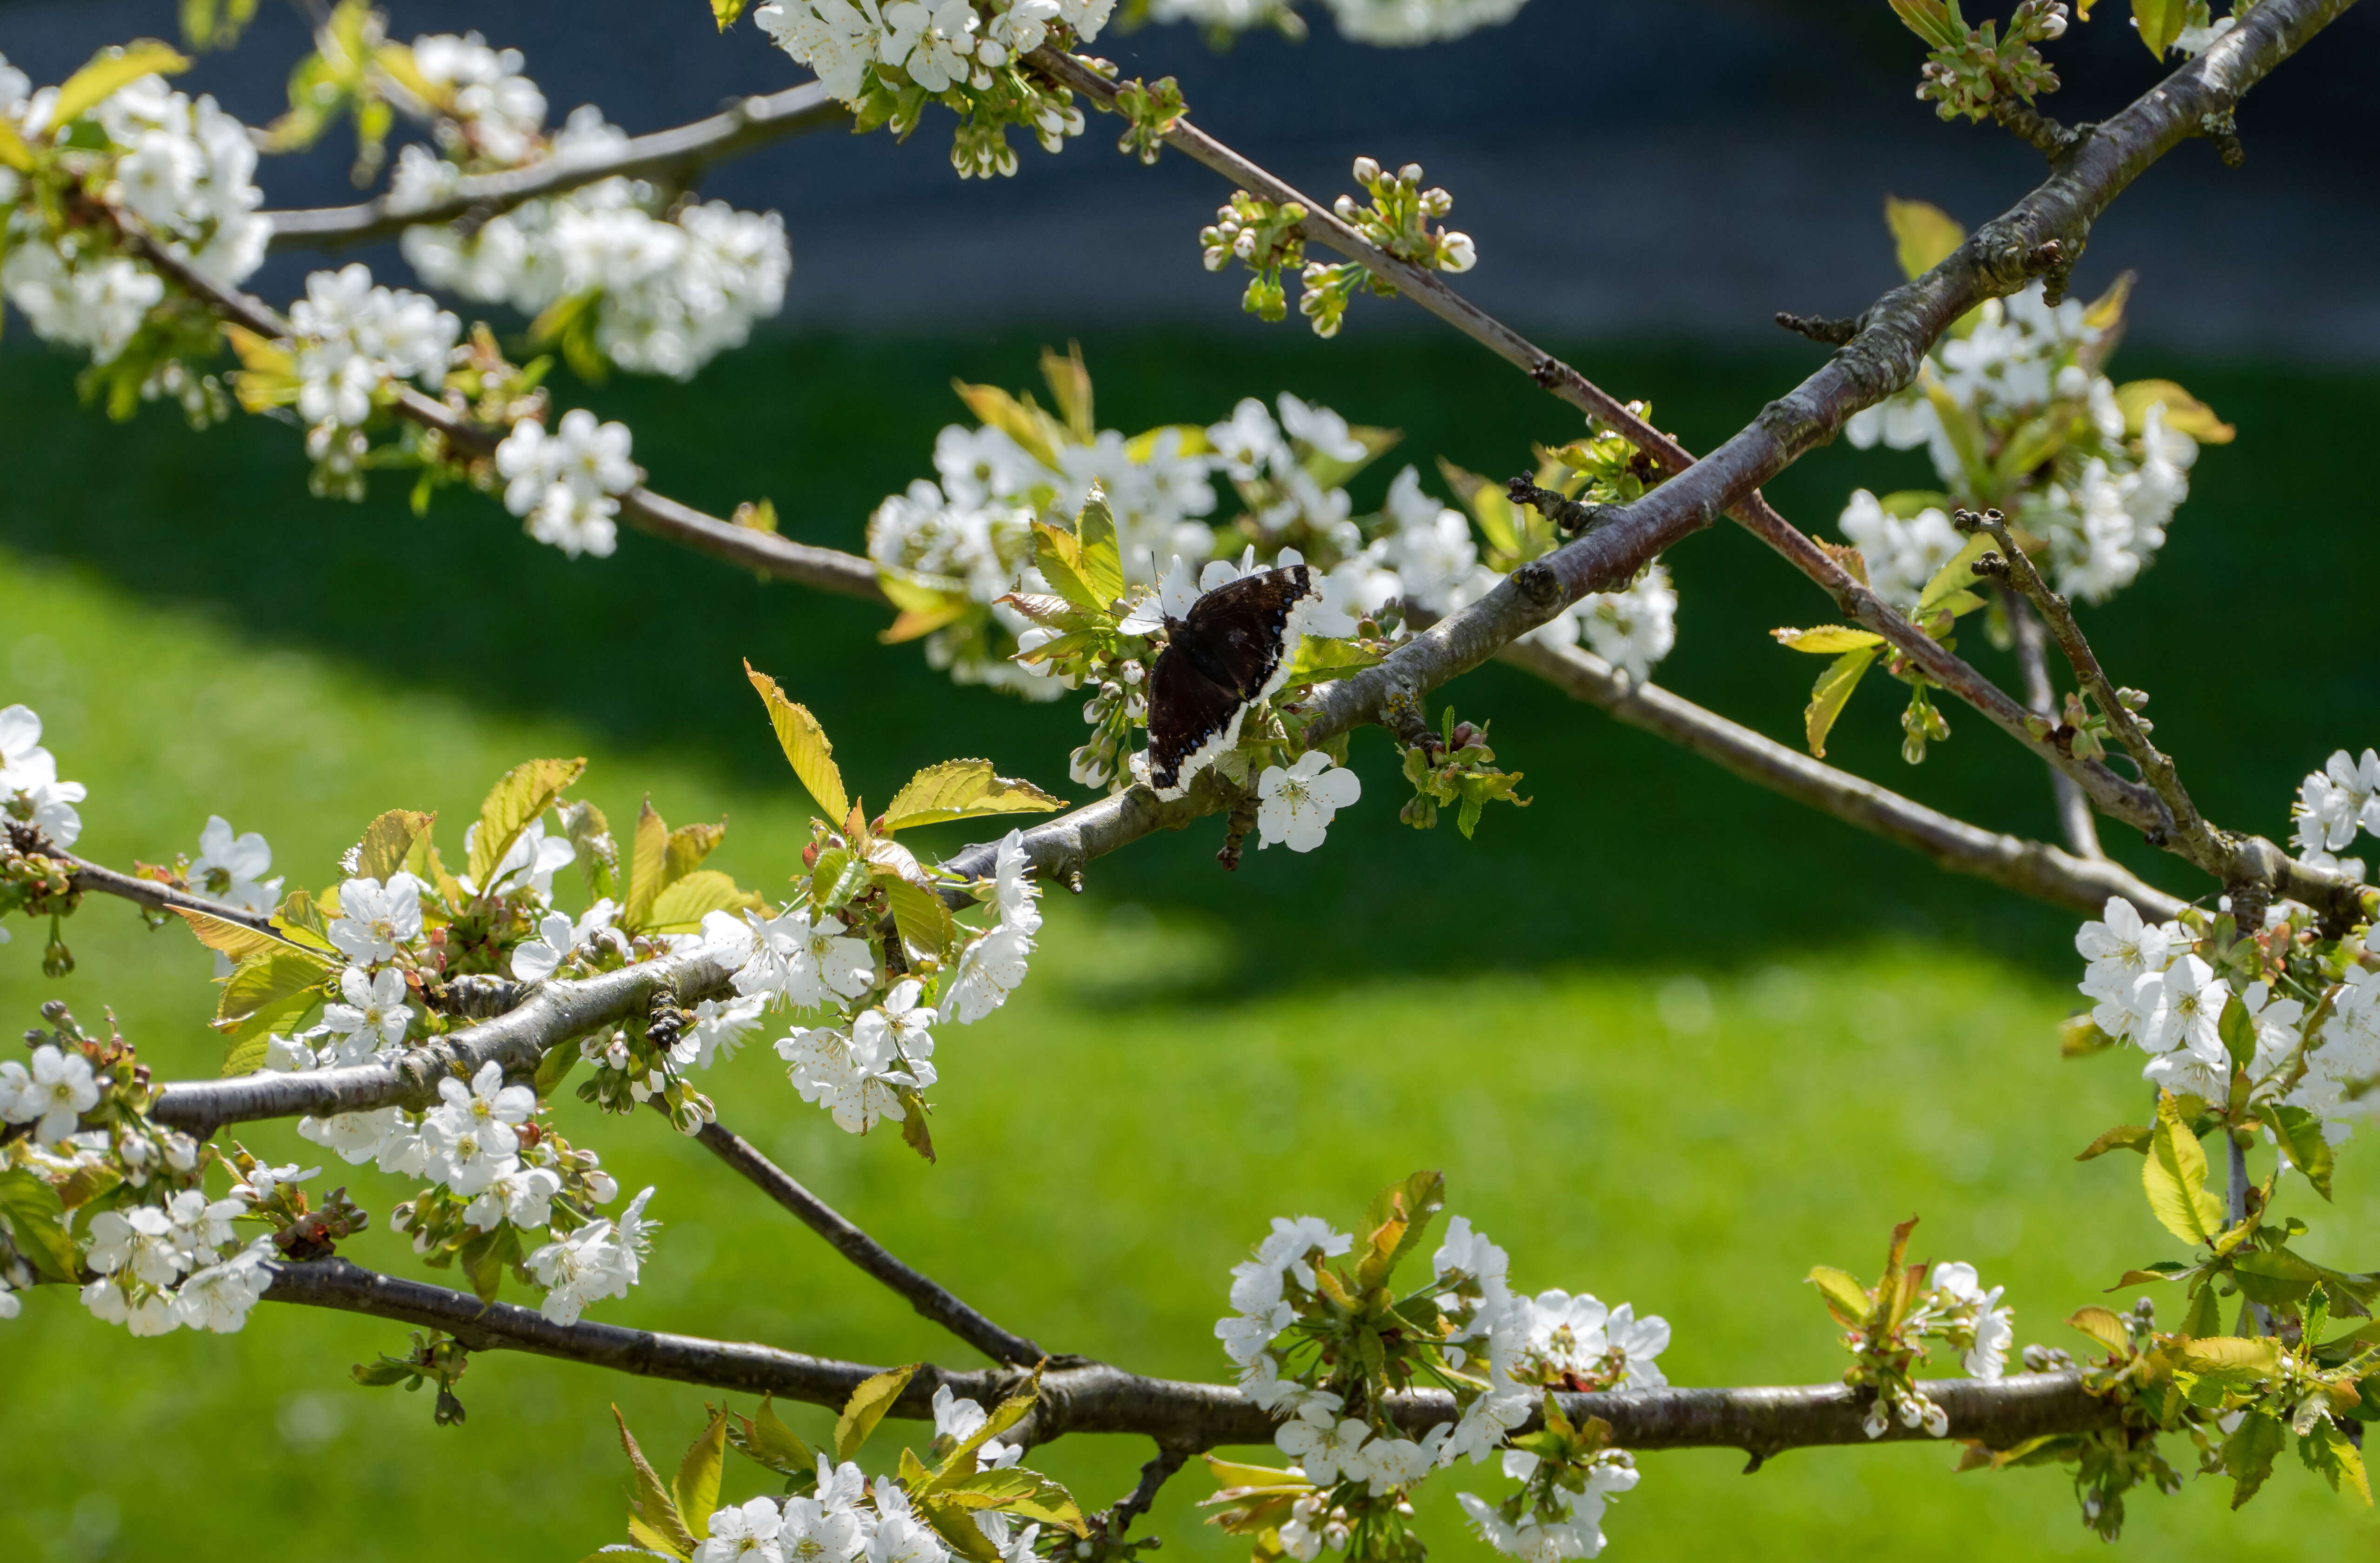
(1672, 1042)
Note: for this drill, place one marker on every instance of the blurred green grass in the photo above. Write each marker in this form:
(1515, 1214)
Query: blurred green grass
(1673, 1043)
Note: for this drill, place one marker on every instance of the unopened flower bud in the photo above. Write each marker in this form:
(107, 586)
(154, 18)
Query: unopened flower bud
(1366, 170)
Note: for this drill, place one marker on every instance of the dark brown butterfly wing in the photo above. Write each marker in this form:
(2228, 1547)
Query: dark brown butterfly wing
(1240, 634)
(1187, 713)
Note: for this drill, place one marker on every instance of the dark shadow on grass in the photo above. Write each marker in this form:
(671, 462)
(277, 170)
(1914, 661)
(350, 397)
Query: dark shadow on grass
(1631, 852)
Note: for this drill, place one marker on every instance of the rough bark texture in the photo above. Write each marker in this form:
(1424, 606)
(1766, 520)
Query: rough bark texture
(1085, 1397)
(670, 157)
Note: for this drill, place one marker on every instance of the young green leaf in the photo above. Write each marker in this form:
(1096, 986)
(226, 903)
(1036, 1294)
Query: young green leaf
(1844, 1297)
(1826, 640)
(2183, 412)
(109, 72)
(697, 1487)
(2174, 1174)
(1059, 556)
(1923, 235)
(2103, 1325)
(1100, 561)
(927, 928)
(805, 743)
(1833, 689)
(2248, 1454)
(1007, 1415)
(524, 793)
(386, 841)
(961, 788)
(653, 1518)
(1395, 1224)
(2326, 1451)
(2299, 1133)
(36, 1220)
(2129, 1136)
(866, 1408)
(269, 980)
(763, 1436)
(726, 12)
(682, 907)
(236, 939)
(2160, 22)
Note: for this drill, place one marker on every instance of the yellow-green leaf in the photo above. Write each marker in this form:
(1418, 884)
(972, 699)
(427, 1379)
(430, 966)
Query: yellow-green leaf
(959, 789)
(1923, 235)
(928, 930)
(653, 1518)
(682, 907)
(866, 1408)
(959, 1462)
(236, 939)
(2103, 1325)
(1025, 424)
(1954, 577)
(2174, 1174)
(1846, 1299)
(521, 795)
(726, 12)
(14, 152)
(1834, 687)
(2327, 1454)
(266, 979)
(1489, 505)
(1826, 640)
(2183, 412)
(647, 848)
(36, 1220)
(1394, 1225)
(386, 841)
(2129, 1136)
(1101, 561)
(697, 1487)
(806, 747)
(110, 70)
(764, 1437)
(2234, 1357)
(1059, 556)
(2160, 22)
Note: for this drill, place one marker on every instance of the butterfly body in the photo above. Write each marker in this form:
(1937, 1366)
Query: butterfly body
(1233, 648)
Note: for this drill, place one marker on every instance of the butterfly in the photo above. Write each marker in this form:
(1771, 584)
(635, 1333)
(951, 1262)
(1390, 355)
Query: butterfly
(1229, 650)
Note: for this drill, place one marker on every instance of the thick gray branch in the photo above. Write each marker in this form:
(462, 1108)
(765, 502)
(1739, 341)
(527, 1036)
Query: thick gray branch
(676, 156)
(1095, 1397)
(552, 1015)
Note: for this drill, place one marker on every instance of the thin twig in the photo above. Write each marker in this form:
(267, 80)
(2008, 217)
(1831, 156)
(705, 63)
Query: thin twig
(157, 897)
(2033, 868)
(677, 154)
(2075, 819)
(2025, 577)
(1096, 1398)
(1153, 1477)
(928, 1298)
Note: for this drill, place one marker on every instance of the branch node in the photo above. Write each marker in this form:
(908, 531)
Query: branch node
(1833, 331)
(1571, 517)
(1793, 423)
(2222, 129)
(1540, 585)
(2038, 130)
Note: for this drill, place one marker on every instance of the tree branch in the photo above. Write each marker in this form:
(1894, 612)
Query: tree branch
(922, 1293)
(2075, 819)
(553, 1013)
(2043, 235)
(675, 155)
(1095, 1397)
(157, 897)
(2033, 868)
(826, 568)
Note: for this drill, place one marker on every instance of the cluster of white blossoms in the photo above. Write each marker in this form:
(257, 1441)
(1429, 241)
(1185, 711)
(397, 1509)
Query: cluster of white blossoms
(2026, 373)
(1518, 1346)
(349, 337)
(935, 43)
(490, 110)
(1956, 1307)
(30, 792)
(161, 1265)
(961, 52)
(2310, 1031)
(659, 294)
(1387, 23)
(873, 1053)
(183, 168)
(564, 484)
(845, 1518)
(970, 534)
